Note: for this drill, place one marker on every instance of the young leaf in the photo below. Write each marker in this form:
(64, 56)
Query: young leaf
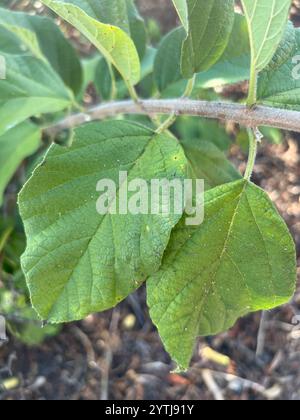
(22, 96)
(78, 261)
(279, 84)
(234, 64)
(207, 162)
(113, 43)
(266, 23)
(182, 10)
(241, 259)
(167, 62)
(15, 145)
(35, 32)
(210, 26)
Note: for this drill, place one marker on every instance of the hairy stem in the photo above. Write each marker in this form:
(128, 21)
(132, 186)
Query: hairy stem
(240, 114)
(252, 95)
(166, 124)
(113, 82)
(253, 143)
(133, 93)
(172, 118)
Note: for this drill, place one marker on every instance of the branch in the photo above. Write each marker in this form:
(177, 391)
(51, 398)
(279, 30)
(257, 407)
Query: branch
(241, 114)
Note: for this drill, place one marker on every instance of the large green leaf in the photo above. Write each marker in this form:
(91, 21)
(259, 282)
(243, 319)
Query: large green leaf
(167, 62)
(277, 84)
(78, 261)
(15, 145)
(266, 23)
(209, 163)
(113, 43)
(241, 259)
(210, 26)
(182, 10)
(234, 65)
(31, 88)
(34, 32)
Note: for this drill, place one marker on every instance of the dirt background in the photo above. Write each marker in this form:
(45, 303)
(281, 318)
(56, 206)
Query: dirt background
(118, 354)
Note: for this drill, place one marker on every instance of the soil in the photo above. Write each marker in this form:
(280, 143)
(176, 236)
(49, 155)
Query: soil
(118, 354)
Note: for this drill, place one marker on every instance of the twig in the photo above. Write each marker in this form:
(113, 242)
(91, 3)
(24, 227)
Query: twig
(261, 338)
(109, 355)
(241, 114)
(172, 118)
(272, 393)
(89, 349)
(137, 309)
(8, 368)
(253, 143)
(212, 385)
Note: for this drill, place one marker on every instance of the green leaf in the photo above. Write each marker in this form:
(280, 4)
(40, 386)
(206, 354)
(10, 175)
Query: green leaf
(286, 48)
(234, 64)
(103, 80)
(182, 10)
(167, 62)
(28, 328)
(279, 83)
(121, 13)
(137, 28)
(232, 67)
(210, 26)
(23, 96)
(78, 261)
(113, 43)
(9, 43)
(191, 128)
(24, 323)
(15, 145)
(27, 37)
(148, 62)
(209, 163)
(34, 32)
(266, 23)
(109, 87)
(89, 66)
(241, 259)
(272, 135)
